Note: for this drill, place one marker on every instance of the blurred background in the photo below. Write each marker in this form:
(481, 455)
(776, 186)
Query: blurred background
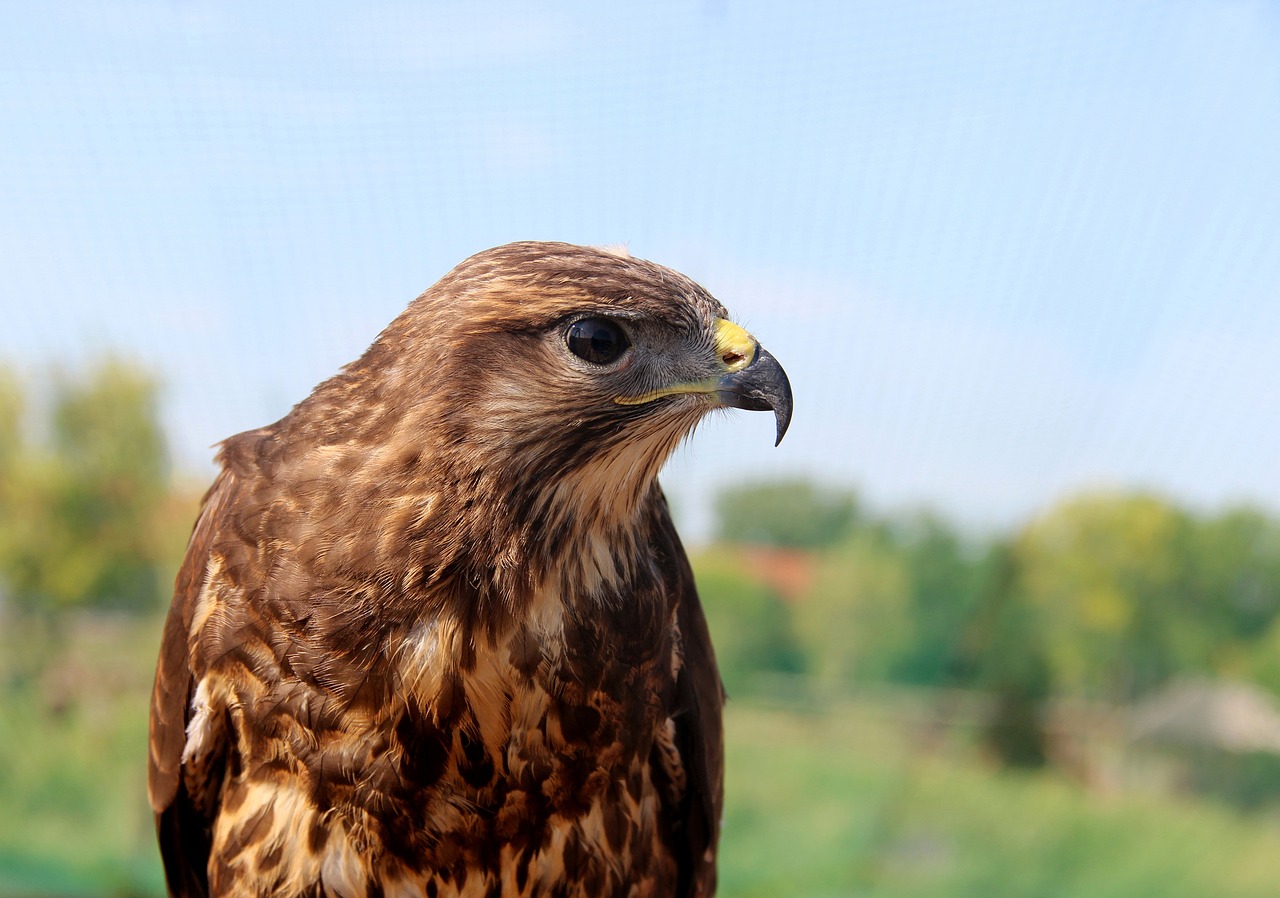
(1005, 617)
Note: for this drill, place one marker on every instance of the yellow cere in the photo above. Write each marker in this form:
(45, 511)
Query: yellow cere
(735, 347)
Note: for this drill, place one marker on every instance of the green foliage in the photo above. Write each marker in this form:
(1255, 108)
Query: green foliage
(750, 626)
(78, 519)
(857, 623)
(795, 513)
(1109, 579)
(945, 576)
(11, 408)
(1103, 596)
(1236, 558)
(1261, 660)
(1005, 656)
(1247, 780)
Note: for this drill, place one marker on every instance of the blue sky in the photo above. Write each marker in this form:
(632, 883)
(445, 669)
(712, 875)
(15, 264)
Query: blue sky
(1007, 251)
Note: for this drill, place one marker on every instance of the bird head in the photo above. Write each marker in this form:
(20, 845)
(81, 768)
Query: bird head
(559, 359)
(535, 391)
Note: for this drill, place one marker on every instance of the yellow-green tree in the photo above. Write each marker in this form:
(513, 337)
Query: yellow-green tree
(1109, 583)
(78, 516)
(856, 622)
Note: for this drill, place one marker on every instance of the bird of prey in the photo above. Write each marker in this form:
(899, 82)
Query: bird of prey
(435, 634)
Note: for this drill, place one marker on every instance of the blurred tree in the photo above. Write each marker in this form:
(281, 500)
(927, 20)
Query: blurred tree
(1261, 661)
(944, 575)
(795, 513)
(11, 450)
(12, 475)
(11, 447)
(11, 408)
(80, 517)
(1002, 652)
(857, 622)
(1109, 578)
(1237, 574)
(750, 626)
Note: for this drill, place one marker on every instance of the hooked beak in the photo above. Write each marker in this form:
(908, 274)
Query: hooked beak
(755, 381)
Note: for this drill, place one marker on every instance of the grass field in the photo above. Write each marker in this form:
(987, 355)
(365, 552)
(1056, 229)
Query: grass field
(842, 803)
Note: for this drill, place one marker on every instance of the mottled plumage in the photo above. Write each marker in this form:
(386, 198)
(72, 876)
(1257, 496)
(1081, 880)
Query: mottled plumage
(434, 633)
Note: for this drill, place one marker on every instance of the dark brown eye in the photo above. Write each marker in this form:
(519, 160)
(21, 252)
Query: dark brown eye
(596, 340)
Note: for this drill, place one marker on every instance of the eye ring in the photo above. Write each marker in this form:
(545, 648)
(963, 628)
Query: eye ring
(599, 341)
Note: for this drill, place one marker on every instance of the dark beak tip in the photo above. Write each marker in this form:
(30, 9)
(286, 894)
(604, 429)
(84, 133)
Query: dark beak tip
(761, 386)
(782, 415)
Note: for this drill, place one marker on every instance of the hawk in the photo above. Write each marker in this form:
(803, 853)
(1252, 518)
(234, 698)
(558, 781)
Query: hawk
(435, 634)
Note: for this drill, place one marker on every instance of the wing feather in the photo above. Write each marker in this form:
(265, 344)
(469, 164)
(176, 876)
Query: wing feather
(699, 736)
(184, 820)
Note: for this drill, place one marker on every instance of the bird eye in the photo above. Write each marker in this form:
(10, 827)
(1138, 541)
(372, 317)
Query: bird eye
(596, 340)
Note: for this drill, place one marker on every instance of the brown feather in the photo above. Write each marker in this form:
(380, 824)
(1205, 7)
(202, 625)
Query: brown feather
(435, 632)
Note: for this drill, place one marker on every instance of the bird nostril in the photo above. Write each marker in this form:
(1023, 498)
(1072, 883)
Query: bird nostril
(732, 358)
